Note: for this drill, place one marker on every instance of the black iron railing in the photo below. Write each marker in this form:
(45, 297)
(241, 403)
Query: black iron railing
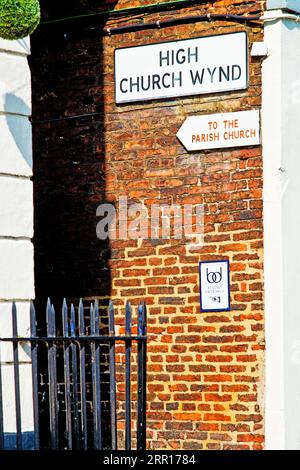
(79, 354)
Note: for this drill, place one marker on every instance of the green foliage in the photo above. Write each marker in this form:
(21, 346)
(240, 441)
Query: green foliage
(18, 18)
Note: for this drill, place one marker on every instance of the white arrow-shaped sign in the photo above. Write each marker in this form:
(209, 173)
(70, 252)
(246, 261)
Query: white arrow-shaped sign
(214, 131)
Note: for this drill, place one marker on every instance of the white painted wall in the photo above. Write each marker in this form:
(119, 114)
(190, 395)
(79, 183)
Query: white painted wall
(292, 5)
(281, 150)
(16, 223)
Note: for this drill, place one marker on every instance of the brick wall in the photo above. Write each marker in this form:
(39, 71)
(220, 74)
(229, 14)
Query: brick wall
(205, 371)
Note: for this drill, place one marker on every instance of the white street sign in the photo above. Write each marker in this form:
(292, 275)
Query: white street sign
(214, 131)
(214, 286)
(209, 64)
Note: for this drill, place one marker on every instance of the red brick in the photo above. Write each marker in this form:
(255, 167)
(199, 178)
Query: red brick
(216, 417)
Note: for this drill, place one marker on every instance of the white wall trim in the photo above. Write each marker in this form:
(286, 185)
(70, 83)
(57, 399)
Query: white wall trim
(281, 143)
(277, 15)
(292, 5)
(272, 149)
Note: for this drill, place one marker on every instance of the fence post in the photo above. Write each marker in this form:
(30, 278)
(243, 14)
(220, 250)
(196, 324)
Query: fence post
(75, 378)
(96, 381)
(67, 374)
(142, 358)
(112, 378)
(128, 343)
(82, 377)
(17, 377)
(52, 371)
(35, 384)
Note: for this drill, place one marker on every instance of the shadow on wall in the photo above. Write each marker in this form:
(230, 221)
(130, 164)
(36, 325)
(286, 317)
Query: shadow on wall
(19, 129)
(14, 104)
(69, 165)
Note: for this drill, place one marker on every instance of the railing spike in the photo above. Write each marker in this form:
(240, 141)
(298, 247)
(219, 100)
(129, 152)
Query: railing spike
(111, 317)
(96, 317)
(72, 321)
(17, 377)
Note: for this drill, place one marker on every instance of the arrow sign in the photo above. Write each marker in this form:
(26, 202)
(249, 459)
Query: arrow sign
(216, 299)
(214, 131)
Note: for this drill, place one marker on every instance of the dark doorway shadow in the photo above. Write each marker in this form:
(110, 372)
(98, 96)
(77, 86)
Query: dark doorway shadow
(69, 161)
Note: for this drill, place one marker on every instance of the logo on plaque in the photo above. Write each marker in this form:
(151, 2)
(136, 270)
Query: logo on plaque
(214, 286)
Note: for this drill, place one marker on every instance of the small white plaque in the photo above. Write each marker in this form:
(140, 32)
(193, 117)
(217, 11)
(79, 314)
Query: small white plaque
(214, 286)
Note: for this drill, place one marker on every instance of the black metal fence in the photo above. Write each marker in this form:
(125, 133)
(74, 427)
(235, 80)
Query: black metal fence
(78, 354)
